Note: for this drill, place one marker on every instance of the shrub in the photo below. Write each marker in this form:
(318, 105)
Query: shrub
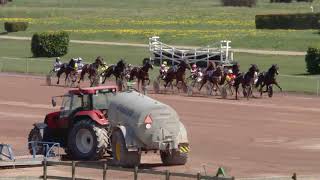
(288, 21)
(281, 1)
(50, 44)
(15, 26)
(313, 60)
(248, 3)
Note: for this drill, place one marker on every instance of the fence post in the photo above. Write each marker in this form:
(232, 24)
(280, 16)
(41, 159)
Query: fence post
(73, 170)
(135, 177)
(318, 84)
(45, 169)
(167, 175)
(104, 171)
(198, 176)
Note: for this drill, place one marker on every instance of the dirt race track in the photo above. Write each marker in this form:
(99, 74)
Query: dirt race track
(259, 137)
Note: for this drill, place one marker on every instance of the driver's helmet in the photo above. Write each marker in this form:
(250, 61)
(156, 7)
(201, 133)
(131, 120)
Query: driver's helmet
(57, 59)
(230, 71)
(164, 63)
(129, 65)
(79, 59)
(194, 66)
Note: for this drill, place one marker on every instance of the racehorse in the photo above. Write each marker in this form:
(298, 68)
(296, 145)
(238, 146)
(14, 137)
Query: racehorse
(268, 78)
(214, 76)
(177, 73)
(66, 68)
(116, 70)
(246, 80)
(141, 73)
(92, 70)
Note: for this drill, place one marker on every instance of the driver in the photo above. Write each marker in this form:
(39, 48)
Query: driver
(230, 76)
(163, 69)
(72, 64)
(79, 63)
(57, 64)
(194, 71)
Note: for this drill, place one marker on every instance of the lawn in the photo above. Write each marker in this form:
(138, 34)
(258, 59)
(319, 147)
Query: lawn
(15, 56)
(181, 22)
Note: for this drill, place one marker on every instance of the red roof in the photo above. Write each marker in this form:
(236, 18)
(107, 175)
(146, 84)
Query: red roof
(91, 90)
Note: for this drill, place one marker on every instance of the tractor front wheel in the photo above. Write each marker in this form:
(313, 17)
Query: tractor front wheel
(36, 136)
(87, 141)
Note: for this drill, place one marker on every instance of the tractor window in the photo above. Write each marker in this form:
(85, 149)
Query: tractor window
(100, 100)
(66, 103)
(65, 106)
(80, 101)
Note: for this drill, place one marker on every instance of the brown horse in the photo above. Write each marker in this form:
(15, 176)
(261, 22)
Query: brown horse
(267, 79)
(177, 73)
(92, 70)
(66, 68)
(141, 73)
(214, 76)
(246, 80)
(118, 71)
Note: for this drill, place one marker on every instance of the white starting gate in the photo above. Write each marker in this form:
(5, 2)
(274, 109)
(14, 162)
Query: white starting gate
(219, 52)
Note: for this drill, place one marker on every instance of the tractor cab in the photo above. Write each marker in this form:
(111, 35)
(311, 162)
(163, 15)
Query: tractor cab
(86, 99)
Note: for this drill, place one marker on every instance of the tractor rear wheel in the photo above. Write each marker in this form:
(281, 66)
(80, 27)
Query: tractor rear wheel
(175, 157)
(121, 155)
(87, 141)
(35, 135)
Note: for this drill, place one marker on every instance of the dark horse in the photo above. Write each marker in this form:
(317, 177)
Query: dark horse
(177, 73)
(116, 70)
(246, 80)
(92, 70)
(213, 74)
(66, 68)
(141, 73)
(268, 78)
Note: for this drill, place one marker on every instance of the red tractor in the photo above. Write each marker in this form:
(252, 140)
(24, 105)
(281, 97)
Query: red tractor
(81, 126)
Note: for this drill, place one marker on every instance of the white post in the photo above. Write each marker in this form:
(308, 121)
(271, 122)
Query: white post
(227, 50)
(318, 84)
(160, 53)
(27, 68)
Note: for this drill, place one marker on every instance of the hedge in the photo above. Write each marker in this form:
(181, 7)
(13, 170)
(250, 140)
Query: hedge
(288, 21)
(313, 60)
(15, 26)
(248, 3)
(50, 44)
(289, 1)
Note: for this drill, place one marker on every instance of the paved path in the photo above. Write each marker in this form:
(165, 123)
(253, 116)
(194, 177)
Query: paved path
(251, 51)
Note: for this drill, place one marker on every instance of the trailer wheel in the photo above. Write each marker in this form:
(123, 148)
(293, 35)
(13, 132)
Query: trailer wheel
(35, 135)
(173, 158)
(121, 155)
(87, 141)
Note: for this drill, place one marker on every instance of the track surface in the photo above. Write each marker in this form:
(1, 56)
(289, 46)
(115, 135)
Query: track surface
(259, 137)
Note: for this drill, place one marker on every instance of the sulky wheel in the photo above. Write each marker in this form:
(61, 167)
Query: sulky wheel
(156, 86)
